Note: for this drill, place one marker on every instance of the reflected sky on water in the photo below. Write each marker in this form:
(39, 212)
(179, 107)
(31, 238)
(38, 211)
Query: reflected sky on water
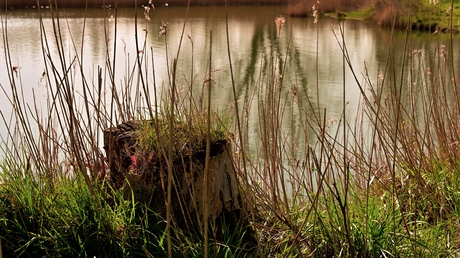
(308, 55)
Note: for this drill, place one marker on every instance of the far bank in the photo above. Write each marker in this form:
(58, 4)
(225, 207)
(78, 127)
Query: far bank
(128, 3)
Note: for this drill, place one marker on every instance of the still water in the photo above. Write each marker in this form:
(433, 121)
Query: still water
(309, 53)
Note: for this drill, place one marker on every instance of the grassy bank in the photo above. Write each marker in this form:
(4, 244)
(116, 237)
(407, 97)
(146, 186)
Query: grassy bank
(383, 182)
(32, 4)
(421, 15)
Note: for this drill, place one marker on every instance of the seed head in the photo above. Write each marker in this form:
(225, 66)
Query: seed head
(443, 53)
(16, 70)
(163, 28)
(147, 12)
(279, 21)
(314, 8)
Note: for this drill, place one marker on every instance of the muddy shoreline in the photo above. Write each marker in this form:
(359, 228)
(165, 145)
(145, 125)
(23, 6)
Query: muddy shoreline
(23, 4)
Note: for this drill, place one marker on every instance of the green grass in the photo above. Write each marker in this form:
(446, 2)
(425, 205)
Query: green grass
(189, 133)
(65, 220)
(68, 221)
(419, 14)
(362, 14)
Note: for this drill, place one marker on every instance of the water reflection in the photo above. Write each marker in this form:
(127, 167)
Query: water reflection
(309, 53)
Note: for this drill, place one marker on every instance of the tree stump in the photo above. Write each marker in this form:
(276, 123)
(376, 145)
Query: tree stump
(145, 175)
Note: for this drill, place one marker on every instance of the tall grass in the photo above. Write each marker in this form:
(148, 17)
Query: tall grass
(382, 183)
(377, 184)
(56, 153)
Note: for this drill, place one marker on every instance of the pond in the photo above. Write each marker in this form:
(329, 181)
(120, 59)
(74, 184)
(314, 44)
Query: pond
(307, 56)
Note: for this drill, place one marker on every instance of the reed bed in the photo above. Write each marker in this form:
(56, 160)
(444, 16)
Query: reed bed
(381, 183)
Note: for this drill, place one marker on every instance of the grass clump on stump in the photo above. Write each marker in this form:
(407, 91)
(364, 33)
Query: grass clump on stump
(137, 152)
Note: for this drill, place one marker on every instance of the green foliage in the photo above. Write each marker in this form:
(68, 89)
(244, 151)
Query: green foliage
(67, 221)
(189, 133)
(421, 15)
(361, 14)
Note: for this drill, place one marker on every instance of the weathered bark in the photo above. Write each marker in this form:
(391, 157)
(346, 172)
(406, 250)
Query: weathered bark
(145, 175)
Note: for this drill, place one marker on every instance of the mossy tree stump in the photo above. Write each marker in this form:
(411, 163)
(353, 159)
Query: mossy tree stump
(144, 173)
